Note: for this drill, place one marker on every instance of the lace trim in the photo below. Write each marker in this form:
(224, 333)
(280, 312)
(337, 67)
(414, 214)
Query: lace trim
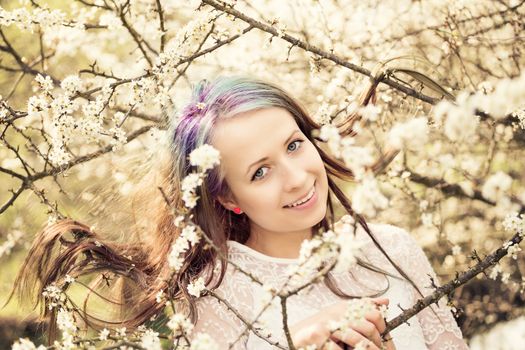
(258, 255)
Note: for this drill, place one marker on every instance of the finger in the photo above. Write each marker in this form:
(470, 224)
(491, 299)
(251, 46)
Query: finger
(376, 318)
(331, 345)
(388, 341)
(381, 301)
(352, 338)
(366, 344)
(368, 330)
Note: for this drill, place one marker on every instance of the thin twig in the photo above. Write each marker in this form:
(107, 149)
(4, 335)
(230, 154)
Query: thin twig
(461, 279)
(161, 24)
(321, 53)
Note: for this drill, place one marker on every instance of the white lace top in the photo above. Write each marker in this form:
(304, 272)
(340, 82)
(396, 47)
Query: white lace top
(424, 331)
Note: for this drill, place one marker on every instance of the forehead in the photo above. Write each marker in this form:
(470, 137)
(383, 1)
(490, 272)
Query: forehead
(249, 136)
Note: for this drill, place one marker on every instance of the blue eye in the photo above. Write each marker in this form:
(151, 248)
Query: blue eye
(257, 178)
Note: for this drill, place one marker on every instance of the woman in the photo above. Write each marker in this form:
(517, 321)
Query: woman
(270, 193)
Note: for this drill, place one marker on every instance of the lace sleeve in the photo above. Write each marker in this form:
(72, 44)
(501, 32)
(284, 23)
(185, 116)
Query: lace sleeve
(440, 329)
(221, 324)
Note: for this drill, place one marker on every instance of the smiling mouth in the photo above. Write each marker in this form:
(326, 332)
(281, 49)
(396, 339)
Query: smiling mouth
(308, 196)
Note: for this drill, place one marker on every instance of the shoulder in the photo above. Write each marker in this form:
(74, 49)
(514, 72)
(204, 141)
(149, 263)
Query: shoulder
(390, 236)
(395, 238)
(396, 241)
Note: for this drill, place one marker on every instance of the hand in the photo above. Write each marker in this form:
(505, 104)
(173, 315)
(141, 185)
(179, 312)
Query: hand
(315, 330)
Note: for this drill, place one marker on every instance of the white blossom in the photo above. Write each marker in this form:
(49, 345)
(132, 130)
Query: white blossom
(24, 19)
(355, 157)
(110, 19)
(505, 276)
(496, 186)
(330, 134)
(37, 106)
(189, 232)
(4, 112)
(175, 262)
(370, 112)
(190, 199)
(191, 181)
(12, 239)
(412, 134)
(183, 45)
(339, 245)
(118, 138)
(367, 198)
(322, 116)
(496, 270)
(456, 250)
(520, 114)
(58, 155)
(178, 220)
(44, 82)
(180, 325)
(159, 296)
(68, 279)
(348, 246)
(514, 222)
(205, 157)
(26, 344)
(53, 295)
(65, 321)
(180, 246)
(196, 287)
(203, 341)
(513, 251)
(71, 84)
(51, 219)
(103, 334)
(312, 254)
(427, 219)
(460, 124)
(150, 340)
(356, 310)
(200, 105)
(121, 332)
(66, 324)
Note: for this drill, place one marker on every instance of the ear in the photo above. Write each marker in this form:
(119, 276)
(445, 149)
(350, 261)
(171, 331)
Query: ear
(227, 202)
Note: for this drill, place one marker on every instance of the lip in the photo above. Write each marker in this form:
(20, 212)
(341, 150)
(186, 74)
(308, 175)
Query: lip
(308, 204)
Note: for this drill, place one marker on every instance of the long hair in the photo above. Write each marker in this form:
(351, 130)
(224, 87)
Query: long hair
(131, 274)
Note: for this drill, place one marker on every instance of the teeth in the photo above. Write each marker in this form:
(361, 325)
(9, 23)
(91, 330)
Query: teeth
(310, 194)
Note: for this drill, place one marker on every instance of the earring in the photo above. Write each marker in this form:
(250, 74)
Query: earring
(237, 210)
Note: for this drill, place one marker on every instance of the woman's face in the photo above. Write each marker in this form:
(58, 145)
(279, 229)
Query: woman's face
(291, 168)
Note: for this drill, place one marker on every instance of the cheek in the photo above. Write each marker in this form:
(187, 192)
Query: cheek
(314, 158)
(263, 198)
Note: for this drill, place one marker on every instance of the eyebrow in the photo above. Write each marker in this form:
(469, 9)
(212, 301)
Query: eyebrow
(266, 158)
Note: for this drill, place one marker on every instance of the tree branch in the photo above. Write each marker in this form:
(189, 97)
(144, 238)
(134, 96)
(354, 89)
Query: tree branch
(321, 53)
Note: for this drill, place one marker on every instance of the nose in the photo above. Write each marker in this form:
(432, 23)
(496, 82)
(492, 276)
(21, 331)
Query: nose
(294, 177)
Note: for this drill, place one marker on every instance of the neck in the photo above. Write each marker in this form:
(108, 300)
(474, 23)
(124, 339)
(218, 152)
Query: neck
(278, 244)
